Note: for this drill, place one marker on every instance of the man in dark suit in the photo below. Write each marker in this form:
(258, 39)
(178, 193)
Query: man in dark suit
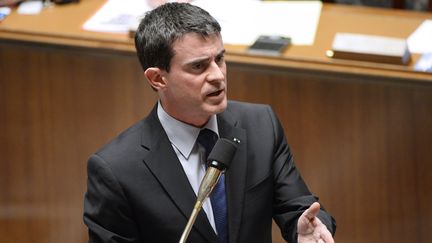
(142, 186)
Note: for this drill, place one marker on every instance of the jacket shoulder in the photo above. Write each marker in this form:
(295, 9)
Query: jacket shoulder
(236, 107)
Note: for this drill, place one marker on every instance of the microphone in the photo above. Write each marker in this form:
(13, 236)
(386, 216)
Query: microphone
(218, 160)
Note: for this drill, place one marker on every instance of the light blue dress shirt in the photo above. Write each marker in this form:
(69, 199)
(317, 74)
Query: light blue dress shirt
(191, 155)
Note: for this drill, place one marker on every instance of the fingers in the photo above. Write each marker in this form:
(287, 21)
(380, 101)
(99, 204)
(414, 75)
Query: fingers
(323, 233)
(306, 223)
(310, 226)
(326, 235)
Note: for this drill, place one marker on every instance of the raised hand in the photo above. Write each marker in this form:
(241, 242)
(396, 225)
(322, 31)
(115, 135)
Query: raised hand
(311, 229)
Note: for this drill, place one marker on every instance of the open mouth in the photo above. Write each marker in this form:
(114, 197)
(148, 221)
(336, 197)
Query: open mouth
(215, 93)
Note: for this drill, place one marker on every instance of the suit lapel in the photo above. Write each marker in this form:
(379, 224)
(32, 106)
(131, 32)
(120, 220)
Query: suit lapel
(165, 166)
(236, 174)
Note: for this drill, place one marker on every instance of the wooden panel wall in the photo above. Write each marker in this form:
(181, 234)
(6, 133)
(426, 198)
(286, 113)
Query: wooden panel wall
(56, 108)
(362, 144)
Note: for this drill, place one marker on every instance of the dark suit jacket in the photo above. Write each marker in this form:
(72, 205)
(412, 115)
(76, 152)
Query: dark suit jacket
(138, 192)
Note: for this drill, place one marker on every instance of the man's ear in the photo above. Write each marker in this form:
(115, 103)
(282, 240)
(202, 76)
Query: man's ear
(155, 78)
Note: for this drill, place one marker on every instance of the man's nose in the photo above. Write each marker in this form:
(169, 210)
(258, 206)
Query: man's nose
(215, 72)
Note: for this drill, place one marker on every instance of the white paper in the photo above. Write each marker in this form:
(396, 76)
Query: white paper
(30, 7)
(116, 16)
(420, 40)
(372, 44)
(242, 21)
(296, 19)
(5, 11)
(424, 64)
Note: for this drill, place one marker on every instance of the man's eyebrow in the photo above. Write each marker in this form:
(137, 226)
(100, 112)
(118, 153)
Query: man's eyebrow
(197, 61)
(204, 59)
(221, 53)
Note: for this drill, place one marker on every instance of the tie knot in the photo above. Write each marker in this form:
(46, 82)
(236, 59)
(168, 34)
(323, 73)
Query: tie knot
(207, 138)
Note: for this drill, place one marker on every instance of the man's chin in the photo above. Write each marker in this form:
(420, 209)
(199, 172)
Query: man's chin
(213, 110)
(218, 108)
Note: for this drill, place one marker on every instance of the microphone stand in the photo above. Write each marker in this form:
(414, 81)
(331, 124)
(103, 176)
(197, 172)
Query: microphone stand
(208, 183)
(191, 222)
(219, 159)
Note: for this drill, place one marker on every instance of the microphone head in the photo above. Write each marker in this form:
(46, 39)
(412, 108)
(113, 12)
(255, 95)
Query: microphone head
(222, 153)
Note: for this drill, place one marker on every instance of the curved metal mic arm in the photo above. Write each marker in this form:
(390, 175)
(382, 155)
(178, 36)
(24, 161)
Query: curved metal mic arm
(219, 158)
(208, 183)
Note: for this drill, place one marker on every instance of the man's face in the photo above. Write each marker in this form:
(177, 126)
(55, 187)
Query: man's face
(195, 87)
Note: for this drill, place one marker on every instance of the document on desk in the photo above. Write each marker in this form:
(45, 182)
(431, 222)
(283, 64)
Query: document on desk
(116, 16)
(243, 21)
(420, 40)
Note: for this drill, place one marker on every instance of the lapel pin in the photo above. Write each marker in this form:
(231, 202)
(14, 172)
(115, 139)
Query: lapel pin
(236, 140)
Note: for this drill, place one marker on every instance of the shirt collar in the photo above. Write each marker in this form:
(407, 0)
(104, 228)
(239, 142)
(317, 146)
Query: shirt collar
(182, 135)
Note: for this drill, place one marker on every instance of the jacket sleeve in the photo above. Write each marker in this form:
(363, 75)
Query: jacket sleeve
(106, 212)
(291, 194)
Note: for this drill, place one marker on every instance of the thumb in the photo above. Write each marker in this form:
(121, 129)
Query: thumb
(307, 222)
(312, 211)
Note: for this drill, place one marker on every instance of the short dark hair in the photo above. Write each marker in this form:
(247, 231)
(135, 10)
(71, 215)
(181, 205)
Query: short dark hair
(165, 24)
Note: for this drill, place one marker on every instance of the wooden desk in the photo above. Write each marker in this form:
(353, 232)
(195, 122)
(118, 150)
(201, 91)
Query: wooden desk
(361, 132)
(61, 25)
